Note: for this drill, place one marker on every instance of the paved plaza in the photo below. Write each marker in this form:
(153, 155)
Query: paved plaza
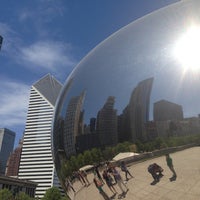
(186, 186)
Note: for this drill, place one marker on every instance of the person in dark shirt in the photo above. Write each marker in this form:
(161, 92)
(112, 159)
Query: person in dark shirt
(108, 180)
(125, 170)
(156, 171)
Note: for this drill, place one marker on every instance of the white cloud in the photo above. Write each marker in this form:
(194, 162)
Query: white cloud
(10, 39)
(48, 55)
(44, 12)
(13, 103)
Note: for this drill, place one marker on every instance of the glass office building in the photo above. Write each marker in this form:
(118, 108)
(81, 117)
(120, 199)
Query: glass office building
(7, 140)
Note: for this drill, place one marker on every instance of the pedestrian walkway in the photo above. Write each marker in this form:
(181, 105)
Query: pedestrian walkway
(186, 186)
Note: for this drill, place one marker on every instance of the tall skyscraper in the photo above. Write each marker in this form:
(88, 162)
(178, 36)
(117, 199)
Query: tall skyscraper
(12, 167)
(7, 139)
(36, 162)
(73, 123)
(107, 123)
(139, 109)
(165, 110)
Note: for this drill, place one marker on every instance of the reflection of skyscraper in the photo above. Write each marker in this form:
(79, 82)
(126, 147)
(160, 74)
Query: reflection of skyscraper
(139, 109)
(73, 125)
(124, 126)
(107, 123)
(36, 162)
(164, 110)
(92, 125)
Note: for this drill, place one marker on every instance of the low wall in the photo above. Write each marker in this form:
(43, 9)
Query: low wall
(157, 153)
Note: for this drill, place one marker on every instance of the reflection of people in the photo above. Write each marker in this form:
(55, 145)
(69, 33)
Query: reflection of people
(98, 183)
(84, 174)
(109, 170)
(77, 175)
(108, 180)
(125, 169)
(156, 171)
(69, 185)
(81, 178)
(96, 171)
(170, 165)
(119, 180)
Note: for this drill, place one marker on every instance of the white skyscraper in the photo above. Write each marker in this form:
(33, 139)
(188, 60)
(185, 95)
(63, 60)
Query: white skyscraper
(36, 162)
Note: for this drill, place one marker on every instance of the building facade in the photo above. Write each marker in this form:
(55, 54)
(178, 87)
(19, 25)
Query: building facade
(7, 139)
(73, 123)
(165, 110)
(138, 109)
(106, 127)
(12, 167)
(16, 185)
(36, 163)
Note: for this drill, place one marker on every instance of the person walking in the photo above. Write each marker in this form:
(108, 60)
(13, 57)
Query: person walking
(96, 171)
(108, 180)
(125, 169)
(81, 177)
(84, 174)
(170, 165)
(119, 180)
(98, 183)
(69, 185)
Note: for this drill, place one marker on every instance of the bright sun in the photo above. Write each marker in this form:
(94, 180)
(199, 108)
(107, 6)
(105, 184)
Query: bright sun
(187, 49)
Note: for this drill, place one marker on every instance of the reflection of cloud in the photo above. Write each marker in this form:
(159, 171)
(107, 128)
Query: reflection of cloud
(13, 103)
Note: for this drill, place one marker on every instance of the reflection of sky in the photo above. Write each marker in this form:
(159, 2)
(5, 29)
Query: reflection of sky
(139, 51)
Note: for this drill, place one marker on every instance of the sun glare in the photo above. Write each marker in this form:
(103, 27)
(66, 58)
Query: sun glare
(187, 49)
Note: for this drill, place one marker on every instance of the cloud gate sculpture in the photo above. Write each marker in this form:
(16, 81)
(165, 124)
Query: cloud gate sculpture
(145, 75)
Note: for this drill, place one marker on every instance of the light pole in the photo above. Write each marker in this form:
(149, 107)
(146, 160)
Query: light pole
(1, 41)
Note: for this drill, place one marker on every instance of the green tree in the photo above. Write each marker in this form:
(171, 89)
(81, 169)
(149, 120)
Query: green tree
(120, 148)
(6, 194)
(68, 168)
(52, 193)
(87, 156)
(158, 143)
(96, 155)
(80, 160)
(133, 147)
(22, 196)
(108, 153)
(140, 146)
(74, 163)
(65, 198)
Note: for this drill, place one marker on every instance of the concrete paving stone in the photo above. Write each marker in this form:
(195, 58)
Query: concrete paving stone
(186, 186)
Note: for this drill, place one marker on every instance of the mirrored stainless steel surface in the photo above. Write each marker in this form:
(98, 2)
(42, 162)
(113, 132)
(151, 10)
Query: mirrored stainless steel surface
(127, 82)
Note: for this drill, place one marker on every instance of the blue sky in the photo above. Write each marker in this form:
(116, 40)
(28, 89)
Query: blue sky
(46, 36)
